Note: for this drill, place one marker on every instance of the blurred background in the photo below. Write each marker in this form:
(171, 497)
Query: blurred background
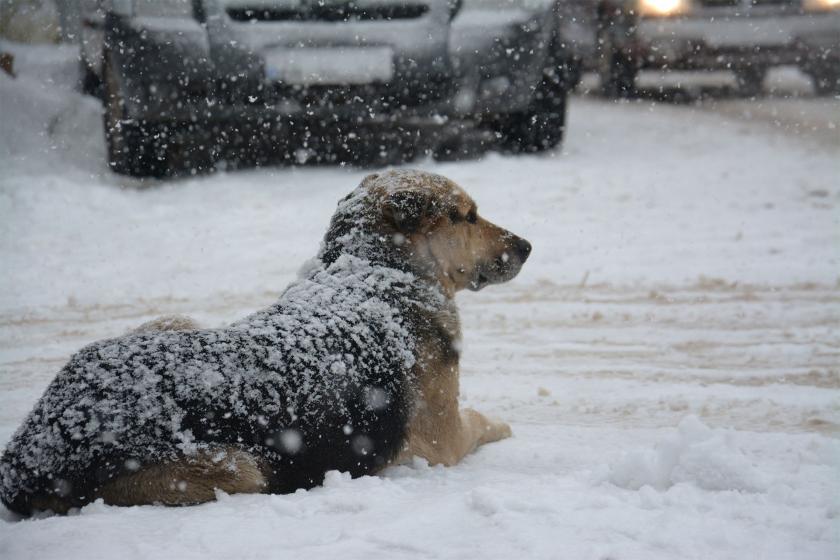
(187, 85)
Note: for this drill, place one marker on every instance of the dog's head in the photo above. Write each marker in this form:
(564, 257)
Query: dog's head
(427, 224)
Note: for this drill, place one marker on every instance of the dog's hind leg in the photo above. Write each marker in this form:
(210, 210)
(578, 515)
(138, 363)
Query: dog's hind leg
(189, 480)
(445, 435)
(168, 323)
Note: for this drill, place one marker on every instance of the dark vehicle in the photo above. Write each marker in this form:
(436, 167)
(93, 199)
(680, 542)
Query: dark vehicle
(361, 81)
(745, 36)
(516, 65)
(184, 79)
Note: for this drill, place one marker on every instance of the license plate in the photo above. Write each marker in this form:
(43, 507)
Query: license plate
(330, 66)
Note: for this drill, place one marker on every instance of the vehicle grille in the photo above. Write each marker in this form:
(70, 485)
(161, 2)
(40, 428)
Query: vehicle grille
(329, 12)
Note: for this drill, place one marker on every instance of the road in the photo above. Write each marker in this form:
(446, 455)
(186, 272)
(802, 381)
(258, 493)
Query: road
(668, 358)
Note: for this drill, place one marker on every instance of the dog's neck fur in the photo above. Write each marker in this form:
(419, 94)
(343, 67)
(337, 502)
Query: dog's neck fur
(355, 231)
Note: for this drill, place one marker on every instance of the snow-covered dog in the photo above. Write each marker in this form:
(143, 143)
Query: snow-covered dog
(355, 367)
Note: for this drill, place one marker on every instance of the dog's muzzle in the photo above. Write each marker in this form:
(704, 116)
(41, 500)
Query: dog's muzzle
(504, 267)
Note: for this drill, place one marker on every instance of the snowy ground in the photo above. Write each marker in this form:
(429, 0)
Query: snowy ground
(668, 358)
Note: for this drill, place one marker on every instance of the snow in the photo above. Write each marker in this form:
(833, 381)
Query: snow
(667, 358)
(694, 455)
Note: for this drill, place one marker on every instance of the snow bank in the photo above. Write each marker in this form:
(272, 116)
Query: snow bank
(50, 122)
(694, 454)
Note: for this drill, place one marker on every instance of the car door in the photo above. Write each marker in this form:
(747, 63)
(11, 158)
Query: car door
(160, 51)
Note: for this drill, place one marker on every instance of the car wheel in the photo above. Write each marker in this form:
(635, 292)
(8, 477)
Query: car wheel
(89, 82)
(826, 80)
(540, 127)
(572, 73)
(132, 149)
(750, 80)
(616, 69)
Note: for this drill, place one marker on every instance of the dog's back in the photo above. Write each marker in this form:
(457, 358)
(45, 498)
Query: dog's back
(317, 382)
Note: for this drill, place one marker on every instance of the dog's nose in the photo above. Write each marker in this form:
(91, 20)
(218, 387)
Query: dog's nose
(523, 248)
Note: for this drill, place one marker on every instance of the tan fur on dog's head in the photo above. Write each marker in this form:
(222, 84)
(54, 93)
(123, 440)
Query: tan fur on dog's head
(427, 224)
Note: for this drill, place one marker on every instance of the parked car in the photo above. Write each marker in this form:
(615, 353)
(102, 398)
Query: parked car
(515, 68)
(342, 80)
(745, 36)
(261, 72)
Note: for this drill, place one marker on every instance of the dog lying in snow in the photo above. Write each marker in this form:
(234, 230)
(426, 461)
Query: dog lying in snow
(354, 368)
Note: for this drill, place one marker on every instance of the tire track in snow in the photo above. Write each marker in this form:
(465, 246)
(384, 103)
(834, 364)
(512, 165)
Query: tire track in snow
(760, 358)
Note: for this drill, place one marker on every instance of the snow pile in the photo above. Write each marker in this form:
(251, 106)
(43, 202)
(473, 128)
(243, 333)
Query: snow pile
(47, 119)
(695, 454)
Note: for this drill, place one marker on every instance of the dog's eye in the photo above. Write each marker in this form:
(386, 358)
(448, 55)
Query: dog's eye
(472, 216)
(455, 216)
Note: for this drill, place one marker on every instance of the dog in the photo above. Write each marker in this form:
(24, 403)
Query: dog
(354, 368)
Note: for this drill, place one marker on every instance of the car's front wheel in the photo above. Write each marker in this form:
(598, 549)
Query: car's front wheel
(131, 145)
(538, 128)
(89, 82)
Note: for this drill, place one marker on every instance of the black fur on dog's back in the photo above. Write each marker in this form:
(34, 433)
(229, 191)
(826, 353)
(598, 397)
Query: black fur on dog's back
(319, 381)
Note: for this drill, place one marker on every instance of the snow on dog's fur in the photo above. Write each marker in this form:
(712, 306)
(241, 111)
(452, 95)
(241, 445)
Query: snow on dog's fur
(353, 368)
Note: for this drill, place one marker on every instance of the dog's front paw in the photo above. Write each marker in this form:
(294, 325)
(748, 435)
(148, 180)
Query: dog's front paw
(497, 430)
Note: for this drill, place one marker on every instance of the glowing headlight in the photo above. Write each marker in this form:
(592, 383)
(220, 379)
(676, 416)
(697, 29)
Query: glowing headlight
(821, 5)
(669, 7)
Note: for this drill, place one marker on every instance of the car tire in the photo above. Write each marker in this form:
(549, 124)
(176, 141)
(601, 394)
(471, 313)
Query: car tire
(131, 146)
(826, 80)
(750, 80)
(538, 128)
(572, 72)
(89, 82)
(616, 69)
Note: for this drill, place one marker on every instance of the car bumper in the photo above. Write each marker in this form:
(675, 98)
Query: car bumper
(428, 127)
(281, 113)
(706, 43)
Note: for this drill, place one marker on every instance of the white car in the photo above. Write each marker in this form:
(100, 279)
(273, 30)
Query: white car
(745, 36)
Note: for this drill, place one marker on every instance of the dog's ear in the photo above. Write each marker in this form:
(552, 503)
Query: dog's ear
(408, 210)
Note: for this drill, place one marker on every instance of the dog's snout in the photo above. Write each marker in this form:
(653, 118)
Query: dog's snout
(523, 248)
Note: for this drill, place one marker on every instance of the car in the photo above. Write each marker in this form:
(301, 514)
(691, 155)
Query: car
(515, 68)
(183, 79)
(358, 81)
(744, 36)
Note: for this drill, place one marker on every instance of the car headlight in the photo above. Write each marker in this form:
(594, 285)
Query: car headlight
(664, 8)
(821, 5)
